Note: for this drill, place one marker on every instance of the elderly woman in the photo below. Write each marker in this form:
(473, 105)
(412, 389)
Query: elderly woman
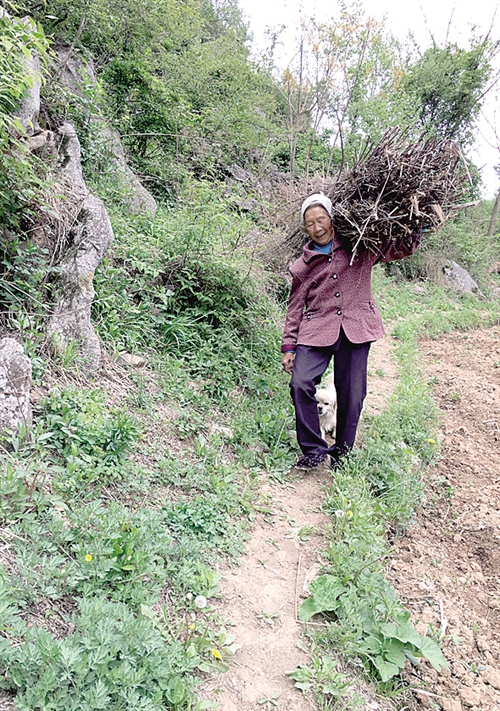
(331, 313)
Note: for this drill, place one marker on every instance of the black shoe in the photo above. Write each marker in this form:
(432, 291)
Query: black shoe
(310, 461)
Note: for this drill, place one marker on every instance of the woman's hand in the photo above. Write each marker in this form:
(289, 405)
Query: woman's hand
(288, 361)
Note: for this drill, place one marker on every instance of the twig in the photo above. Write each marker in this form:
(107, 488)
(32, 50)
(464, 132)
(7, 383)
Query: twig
(297, 587)
(444, 621)
(425, 693)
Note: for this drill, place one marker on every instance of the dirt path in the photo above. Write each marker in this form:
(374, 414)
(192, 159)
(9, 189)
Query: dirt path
(447, 569)
(261, 597)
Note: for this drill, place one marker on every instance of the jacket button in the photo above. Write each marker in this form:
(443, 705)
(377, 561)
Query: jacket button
(339, 312)
(308, 317)
(337, 294)
(335, 276)
(329, 259)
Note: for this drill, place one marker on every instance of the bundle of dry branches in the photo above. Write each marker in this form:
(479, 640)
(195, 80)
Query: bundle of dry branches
(396, 189)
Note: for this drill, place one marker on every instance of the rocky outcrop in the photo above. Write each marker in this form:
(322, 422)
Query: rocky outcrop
(81, 233)
(139, 200)
(251, 189)
(74, 73)
(89, 238)
(458, 278)
(15, 383)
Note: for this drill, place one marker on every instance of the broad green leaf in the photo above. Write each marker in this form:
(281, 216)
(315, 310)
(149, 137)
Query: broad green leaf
(405, 632)
(385, 669)
(303, 685)
(301, 673)
(431, 651)
(325, 592)
(205, 667)
(372, 644)
(308, 608)
(394, 653)
(176, 693)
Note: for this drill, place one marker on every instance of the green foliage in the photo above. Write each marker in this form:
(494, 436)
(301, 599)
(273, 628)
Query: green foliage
(447, 85)
(181, 281)
(79, 427)
(372, 622)
(208, 519)
(320, 675)
(113, 659)
(178, 84)
(464, 240)
(19, 183)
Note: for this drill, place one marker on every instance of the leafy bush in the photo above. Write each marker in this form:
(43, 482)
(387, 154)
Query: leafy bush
(19, 183)
(114, 659)
(79, 426)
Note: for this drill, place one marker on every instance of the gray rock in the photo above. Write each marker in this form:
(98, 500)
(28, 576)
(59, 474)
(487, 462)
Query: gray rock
(70, 158)
(130, 360)
(15, 383)
(73, 72)
(139, 199)
(458, 278)
(90, 237)
(249, 205)
(242, 175)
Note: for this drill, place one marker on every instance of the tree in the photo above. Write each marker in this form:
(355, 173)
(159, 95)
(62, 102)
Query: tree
(448, 84)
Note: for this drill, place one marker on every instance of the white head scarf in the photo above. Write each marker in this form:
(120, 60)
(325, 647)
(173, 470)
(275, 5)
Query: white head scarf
(316, 199)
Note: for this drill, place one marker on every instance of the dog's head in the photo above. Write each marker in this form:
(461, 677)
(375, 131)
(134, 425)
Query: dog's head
(326, 399)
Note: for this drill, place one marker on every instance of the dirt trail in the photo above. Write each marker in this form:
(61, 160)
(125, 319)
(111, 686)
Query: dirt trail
(262, 596)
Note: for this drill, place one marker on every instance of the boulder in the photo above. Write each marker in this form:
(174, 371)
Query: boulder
(458, 278)
(89, 238)
(15, 383)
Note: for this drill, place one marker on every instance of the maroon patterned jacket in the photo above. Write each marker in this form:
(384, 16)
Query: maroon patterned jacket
(328, 292)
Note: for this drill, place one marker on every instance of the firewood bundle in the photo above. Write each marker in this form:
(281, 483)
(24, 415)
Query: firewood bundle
(398, 189)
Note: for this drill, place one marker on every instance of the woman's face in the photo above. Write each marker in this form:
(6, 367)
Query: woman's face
(318, 225)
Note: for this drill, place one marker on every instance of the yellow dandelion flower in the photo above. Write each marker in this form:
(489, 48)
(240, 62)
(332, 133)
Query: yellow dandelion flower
(350, 514)
(432, 441)
(88, 557)
(191, 627)
(216, 654)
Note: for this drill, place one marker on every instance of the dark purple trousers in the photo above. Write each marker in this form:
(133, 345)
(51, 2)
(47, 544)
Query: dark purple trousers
(350, 362)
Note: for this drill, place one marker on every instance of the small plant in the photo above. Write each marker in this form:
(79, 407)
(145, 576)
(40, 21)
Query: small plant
(269, 702)
(383, 644)
(320, 676)
(270, 617)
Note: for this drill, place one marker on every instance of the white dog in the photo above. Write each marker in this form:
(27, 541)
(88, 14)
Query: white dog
(327, 407)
